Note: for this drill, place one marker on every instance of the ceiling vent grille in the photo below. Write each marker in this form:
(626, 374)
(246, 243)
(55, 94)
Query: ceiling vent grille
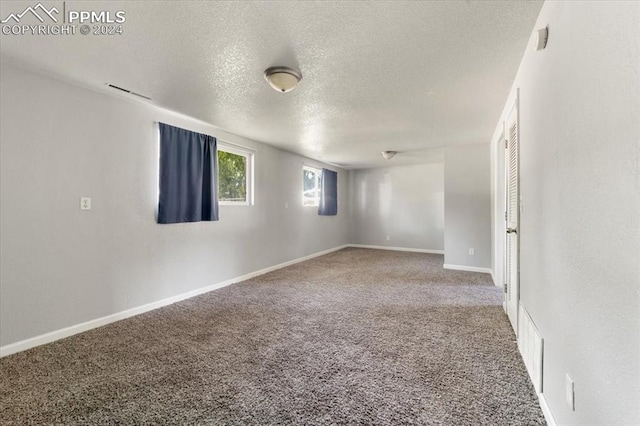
(113, 86)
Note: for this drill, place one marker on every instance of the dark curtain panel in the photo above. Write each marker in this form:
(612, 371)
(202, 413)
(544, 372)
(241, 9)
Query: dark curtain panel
(188, 172)
(329, 194)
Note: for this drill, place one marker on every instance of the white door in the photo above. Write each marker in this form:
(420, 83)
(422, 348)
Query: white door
(512, 216)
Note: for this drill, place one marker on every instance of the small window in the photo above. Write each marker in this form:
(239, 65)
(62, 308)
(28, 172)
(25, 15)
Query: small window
(235, 169)
(311, 180)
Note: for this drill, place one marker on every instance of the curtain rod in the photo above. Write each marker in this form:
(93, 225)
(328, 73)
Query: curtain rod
(224, 142)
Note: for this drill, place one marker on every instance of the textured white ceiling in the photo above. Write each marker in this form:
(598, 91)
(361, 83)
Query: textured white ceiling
(404, 76)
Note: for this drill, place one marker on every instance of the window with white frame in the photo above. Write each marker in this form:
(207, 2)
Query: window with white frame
(311, 181)
(235, 175)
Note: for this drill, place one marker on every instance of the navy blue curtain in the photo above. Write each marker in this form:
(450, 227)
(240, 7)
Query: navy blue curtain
(188, 171)
(329, 194)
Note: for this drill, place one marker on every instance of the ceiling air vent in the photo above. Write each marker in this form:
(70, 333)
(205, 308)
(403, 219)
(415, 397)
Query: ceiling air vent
(118, 88)
(113, 86)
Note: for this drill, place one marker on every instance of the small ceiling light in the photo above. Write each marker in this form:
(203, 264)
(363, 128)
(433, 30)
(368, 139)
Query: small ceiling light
(282, 79)
(388, 155)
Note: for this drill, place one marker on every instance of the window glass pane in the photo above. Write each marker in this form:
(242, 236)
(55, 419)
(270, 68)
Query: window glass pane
(310, 186)
(232, 177)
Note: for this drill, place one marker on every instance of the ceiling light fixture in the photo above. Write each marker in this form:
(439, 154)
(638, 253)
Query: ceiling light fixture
(282, 79)
(388, 155)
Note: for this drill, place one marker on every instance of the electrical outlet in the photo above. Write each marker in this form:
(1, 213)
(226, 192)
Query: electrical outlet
(85, 203)
(472, 252)
(286, 205)
(388, 237)
(569, 392)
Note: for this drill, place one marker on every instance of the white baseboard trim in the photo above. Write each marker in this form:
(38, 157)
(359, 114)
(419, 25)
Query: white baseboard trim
(52, 336)
(493, 278)
(467, 268)
(415, 250)
(546, 410)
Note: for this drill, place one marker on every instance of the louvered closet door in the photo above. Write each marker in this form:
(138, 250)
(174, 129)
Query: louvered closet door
(512, 217)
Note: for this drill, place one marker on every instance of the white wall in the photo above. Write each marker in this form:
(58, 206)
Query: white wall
(467, 206)
(580, 224)
(61, 266)
(405, 203)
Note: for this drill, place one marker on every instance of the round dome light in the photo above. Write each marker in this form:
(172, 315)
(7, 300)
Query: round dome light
(282, 79)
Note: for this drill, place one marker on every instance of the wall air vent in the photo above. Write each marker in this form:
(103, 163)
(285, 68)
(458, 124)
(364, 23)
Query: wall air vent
(531, 346)
(113, 86)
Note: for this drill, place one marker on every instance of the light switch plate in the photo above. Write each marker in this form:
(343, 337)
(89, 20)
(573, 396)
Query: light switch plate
(85, 203)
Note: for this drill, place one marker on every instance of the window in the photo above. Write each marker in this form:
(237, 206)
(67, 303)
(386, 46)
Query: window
(311, 181)
(235, 175)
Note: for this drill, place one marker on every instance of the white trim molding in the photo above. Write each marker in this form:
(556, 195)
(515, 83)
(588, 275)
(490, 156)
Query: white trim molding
(467, 268)
(52, 336)
(546, 410)
(415, 250)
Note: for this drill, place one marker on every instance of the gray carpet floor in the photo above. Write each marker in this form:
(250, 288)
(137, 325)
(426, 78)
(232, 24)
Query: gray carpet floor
(354, 337)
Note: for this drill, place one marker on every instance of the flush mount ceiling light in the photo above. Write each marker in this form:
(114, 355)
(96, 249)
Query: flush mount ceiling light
(282, 79)
(388, 155)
